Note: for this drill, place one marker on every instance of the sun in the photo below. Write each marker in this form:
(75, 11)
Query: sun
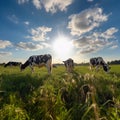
(62, 47)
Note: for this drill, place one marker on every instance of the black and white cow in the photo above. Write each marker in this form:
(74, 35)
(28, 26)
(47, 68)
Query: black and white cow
(69, 64)
(11, 63)
(38, 60)
(97, 62)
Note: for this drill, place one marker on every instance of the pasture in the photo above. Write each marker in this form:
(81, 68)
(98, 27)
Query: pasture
(80, 95)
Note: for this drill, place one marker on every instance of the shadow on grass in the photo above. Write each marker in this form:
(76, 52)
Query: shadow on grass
(22, 85)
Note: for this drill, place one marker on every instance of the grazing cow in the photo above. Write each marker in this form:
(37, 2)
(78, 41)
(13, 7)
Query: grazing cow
(11, 63)
(97, 62)
(69, 64)
(38, 60)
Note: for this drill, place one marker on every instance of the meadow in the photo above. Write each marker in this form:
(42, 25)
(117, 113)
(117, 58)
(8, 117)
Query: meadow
(80, 95)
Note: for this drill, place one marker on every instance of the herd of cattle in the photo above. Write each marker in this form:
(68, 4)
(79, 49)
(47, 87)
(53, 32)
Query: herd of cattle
(46, 60)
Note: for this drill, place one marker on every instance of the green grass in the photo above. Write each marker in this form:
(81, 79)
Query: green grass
(81, 95)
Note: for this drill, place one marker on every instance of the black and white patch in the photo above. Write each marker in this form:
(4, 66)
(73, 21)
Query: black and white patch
(11, 63)
(39, 60)
(97, 62)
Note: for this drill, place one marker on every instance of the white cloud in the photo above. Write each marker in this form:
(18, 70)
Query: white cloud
(37, 4)
(114, 47)
(4, 44)
(54, 5)
(39, 33)
(45, 45)
(50, 5)
(89, 50)
(2, 54)
(29, 46)
(108, 34)
(13, 19)
(22, 1)
(86, 21)
(96, 41)
(26, 22)
(90, 0)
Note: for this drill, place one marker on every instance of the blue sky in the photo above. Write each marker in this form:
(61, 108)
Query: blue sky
(78, 29)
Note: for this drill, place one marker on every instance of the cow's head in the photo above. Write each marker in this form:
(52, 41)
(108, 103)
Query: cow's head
(22, 67)
(106, 67)
(69, 64)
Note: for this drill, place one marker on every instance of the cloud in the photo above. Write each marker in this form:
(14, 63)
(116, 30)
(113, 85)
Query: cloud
(114, 47)
(29, 46)
(89, 50)
(96, 41)
(50, 5)
(90, 0)
(2, 54)
(13, 19)
(88, 45)
(108, 34)
(4, 44)
(26, 22)
(54, 5)
(39, 33)
(86, 21)
(22, 1)
(37, 4)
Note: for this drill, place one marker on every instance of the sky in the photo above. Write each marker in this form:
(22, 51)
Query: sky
(77, 29)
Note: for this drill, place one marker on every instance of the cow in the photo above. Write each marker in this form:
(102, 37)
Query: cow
(69, 64)
(12, 63)
(97, 62)
(38, 60)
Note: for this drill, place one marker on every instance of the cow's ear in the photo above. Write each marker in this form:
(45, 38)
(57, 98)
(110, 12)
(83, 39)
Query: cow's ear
(63, 61)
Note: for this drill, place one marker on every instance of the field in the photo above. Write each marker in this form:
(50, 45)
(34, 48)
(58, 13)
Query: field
(81, 95)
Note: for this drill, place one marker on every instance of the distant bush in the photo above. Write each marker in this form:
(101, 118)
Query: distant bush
(114, 62)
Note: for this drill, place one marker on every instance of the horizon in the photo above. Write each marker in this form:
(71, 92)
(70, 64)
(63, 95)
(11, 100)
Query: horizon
(65, 29)
(61, 63)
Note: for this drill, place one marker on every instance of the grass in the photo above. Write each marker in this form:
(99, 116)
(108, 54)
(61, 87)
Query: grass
(81, 95)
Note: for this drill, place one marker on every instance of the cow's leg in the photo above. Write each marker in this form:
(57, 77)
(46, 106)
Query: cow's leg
(71, 68)
(90, 67)
(97, 68)
(68, 68)
(49, 66)
(32, 69)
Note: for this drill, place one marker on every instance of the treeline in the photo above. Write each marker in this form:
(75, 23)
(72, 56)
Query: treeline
(115, 62)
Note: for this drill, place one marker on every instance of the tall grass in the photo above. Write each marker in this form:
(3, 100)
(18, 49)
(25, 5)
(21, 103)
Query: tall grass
(81, 95)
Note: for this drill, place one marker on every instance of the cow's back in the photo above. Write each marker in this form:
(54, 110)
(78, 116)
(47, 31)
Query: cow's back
(38, 59)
